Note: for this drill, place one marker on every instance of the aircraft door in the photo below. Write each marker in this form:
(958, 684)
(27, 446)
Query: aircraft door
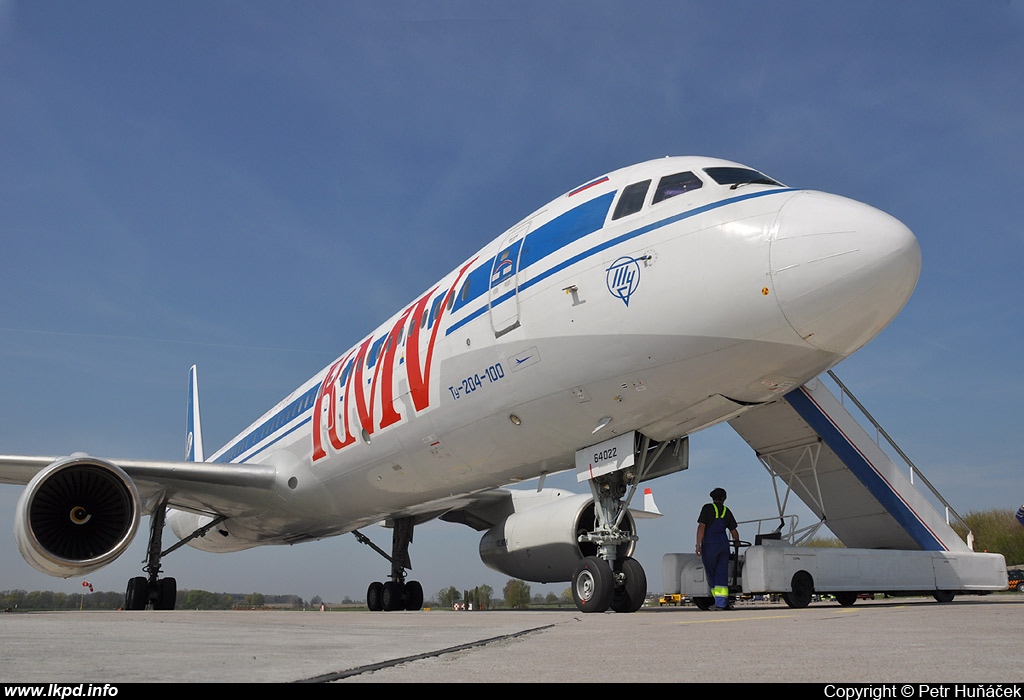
(504, 286)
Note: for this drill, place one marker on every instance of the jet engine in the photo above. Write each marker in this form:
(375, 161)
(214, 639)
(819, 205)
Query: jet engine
(541, 543)
(76, 515)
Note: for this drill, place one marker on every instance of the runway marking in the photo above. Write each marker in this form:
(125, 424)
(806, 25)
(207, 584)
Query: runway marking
(368, 668)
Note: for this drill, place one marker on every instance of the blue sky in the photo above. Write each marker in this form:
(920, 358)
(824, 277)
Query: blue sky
(254, 186)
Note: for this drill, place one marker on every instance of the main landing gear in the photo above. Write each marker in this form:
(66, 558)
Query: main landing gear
(160, 593)
(145, 590)
(396, 594)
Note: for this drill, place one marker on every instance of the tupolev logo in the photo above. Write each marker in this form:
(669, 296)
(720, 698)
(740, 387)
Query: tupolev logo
(623, 278)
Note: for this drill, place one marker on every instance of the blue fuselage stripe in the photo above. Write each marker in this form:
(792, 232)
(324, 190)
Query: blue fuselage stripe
(550, 238)
(286, 415)
(540, 244)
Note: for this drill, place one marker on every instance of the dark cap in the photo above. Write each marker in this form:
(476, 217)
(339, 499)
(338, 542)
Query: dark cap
(718, 494)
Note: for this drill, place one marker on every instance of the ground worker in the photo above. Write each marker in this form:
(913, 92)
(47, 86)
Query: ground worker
(713, 545)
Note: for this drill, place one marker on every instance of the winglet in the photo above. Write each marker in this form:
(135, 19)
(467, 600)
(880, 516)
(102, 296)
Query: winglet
(650, 507)
(193, 426)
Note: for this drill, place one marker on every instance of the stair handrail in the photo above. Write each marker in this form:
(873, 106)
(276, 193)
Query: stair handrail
(913, 467)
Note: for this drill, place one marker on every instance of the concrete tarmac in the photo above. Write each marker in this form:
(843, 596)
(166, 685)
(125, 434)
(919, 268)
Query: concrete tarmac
(910, 640)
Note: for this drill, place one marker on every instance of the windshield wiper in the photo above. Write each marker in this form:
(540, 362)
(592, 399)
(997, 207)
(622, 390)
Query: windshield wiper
(758, 181)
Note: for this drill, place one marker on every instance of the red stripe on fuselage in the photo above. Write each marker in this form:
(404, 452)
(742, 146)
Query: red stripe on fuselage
(355, 384)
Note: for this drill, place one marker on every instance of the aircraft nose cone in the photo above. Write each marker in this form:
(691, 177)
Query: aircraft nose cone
(841, 269)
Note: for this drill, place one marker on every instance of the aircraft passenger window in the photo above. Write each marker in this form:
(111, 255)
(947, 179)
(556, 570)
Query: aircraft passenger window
(371, 357)
(739, 176)
(632, 199)
(435, 308)
(671, 185)
(465, 290)
(393, 340)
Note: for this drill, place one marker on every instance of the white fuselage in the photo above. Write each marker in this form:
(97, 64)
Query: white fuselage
(664, 321)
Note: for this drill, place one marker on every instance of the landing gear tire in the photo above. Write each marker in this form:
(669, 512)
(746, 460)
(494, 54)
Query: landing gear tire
(373, 596)
(629, 597)
(166, 594)
(703, 602)
(136, 596)
(392, 596)
(395, 593)
(943, 596)
(803, 590)
(846, 598)
(413, 595)
(593, 585)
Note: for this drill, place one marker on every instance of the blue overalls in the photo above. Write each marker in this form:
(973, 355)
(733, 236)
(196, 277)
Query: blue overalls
(715, 555)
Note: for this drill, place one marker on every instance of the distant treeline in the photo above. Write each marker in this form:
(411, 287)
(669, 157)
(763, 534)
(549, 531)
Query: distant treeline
(994, 530)
(19, 600)
(55, 600)
(997, 530)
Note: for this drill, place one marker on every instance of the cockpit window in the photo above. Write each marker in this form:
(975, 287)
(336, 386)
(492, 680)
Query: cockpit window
(739, 176)
(632, 199)
(671, 185)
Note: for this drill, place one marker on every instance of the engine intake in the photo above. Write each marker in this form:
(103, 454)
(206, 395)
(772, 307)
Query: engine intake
(541, 543)
(76, 515)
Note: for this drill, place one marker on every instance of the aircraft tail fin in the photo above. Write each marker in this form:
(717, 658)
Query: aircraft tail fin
(193, 426)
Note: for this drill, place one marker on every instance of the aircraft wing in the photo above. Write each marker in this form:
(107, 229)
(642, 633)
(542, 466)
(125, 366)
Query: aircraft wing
(483, 510)
(204, 487)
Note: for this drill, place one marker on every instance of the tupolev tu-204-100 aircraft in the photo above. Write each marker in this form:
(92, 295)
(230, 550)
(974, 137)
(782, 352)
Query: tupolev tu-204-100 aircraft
(596, 334)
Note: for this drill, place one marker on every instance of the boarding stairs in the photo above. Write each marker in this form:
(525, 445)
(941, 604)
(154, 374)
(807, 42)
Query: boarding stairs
(864, 489)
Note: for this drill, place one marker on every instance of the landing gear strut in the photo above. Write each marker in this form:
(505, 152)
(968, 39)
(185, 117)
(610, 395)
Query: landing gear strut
(396, 594)
(151, 589)
(611, 578)
(161, 593)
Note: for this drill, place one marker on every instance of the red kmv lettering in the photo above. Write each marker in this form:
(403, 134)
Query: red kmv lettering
(350, 372)
(328, 396)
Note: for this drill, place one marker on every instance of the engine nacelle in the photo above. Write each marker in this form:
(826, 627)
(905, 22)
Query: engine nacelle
(76, 515)
(541, 544)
